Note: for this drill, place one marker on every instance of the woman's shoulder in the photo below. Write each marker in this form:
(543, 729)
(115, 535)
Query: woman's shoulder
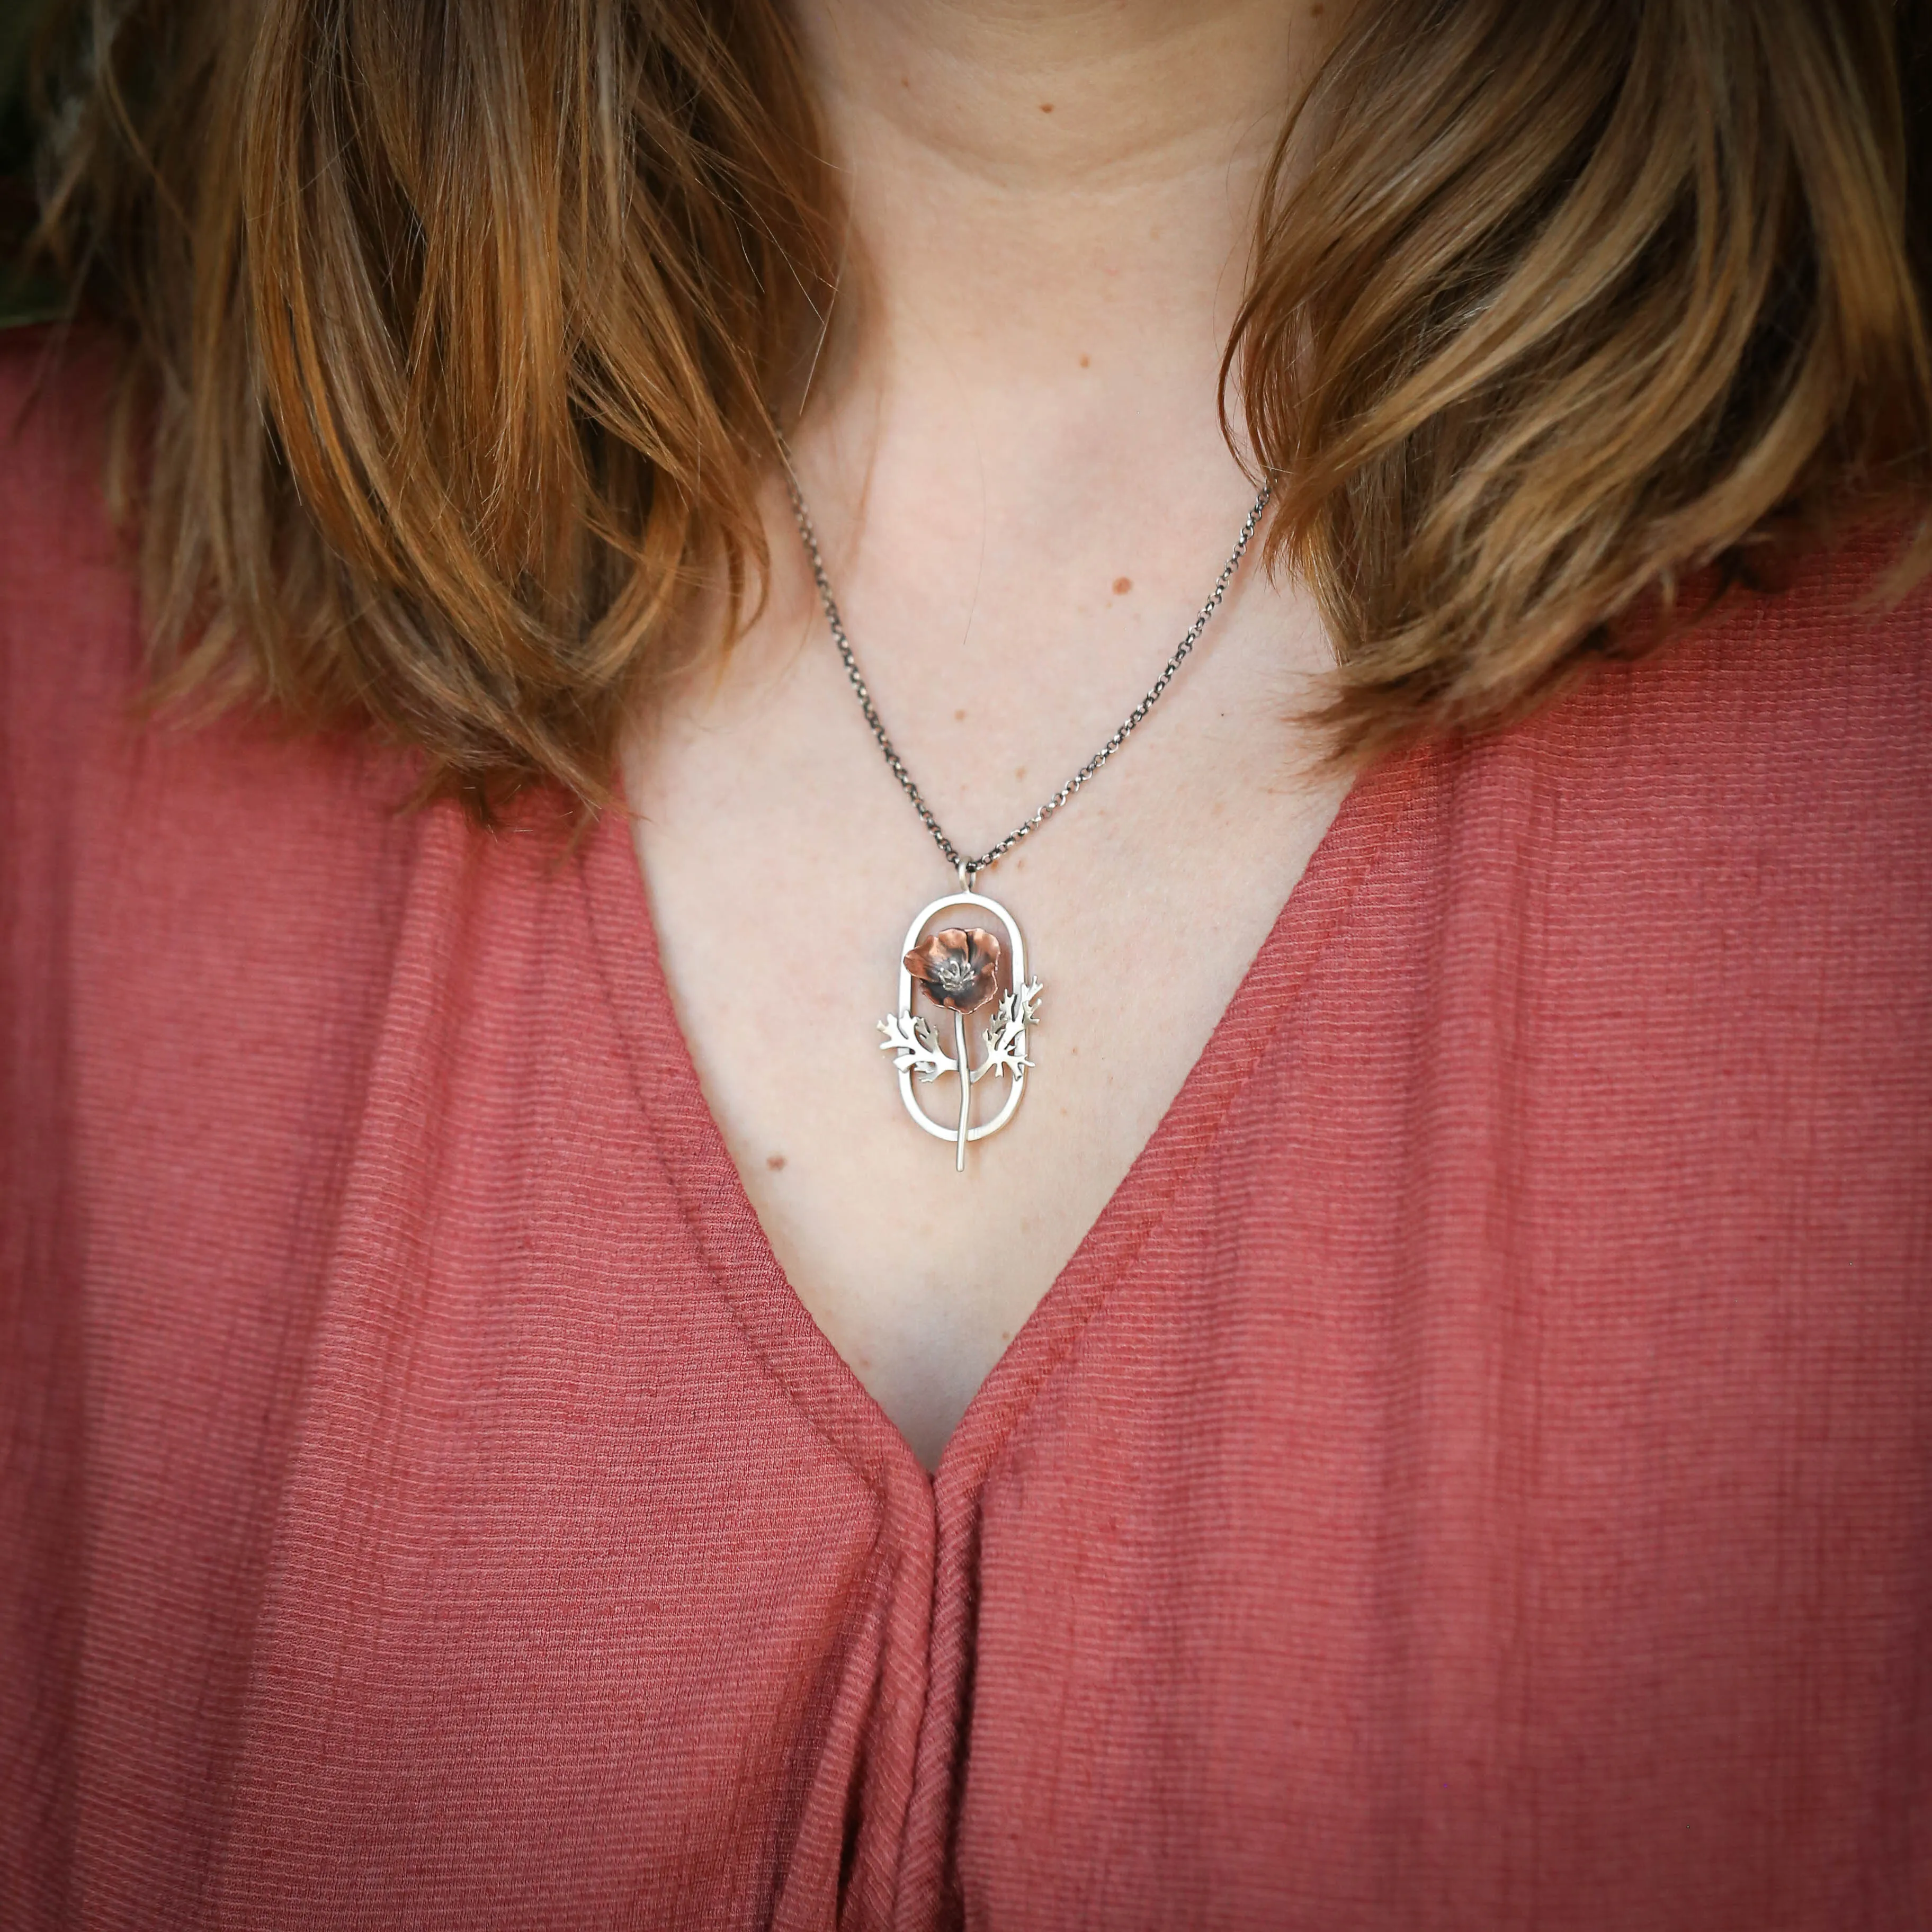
(1839, 646)
(56, 388)
(1797, 713)
(70, 649)
(1717, 853)
(120, 823)
(74, 662)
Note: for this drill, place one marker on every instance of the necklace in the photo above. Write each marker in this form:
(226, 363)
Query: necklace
(960, 968)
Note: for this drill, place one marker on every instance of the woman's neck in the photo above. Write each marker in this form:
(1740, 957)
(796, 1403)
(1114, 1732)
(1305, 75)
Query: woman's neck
(1050, 208)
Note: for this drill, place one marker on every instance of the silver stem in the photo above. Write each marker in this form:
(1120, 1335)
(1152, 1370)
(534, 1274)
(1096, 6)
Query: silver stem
(965, 1086)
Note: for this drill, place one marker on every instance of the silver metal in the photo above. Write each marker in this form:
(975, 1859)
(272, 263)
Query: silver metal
(963, 1063)
(969, 868)
(915, 1047)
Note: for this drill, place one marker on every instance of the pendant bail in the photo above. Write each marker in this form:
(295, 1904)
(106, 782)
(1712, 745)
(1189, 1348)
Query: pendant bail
(966, 874)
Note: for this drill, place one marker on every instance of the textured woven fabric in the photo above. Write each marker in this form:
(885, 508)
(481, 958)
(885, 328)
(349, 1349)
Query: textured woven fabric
(1477, 1472)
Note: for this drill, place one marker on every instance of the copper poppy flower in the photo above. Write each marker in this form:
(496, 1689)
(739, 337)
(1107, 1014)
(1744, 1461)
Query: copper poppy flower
(959, 971)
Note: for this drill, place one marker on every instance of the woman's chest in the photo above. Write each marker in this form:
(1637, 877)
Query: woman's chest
(786, 873)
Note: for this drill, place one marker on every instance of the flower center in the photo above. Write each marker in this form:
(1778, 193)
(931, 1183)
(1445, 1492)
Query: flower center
(955, 974)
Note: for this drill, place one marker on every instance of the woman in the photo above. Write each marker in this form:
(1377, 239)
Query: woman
(1396, 1219)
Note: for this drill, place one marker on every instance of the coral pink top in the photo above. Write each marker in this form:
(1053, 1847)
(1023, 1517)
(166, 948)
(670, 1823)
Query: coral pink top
(1476, 1473)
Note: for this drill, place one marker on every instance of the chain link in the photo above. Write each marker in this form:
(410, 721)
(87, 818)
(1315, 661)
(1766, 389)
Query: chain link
(968, 867)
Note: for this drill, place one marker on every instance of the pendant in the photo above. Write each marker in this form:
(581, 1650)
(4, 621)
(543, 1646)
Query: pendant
(961, 971)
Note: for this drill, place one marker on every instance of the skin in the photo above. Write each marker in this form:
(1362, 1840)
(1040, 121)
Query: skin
(1023, 494)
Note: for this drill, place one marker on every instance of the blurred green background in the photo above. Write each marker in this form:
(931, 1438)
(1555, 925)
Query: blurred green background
(23, 297)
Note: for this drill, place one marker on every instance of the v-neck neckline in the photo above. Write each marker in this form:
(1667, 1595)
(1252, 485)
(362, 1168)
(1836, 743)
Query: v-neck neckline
(738, 1252)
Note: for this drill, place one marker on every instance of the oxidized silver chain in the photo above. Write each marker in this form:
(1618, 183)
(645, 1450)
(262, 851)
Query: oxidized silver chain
(968, 869)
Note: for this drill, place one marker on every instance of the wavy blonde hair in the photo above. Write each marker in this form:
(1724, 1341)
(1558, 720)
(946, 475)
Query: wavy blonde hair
(451, 328)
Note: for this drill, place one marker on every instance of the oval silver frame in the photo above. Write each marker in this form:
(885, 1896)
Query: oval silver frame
(1018, 956)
